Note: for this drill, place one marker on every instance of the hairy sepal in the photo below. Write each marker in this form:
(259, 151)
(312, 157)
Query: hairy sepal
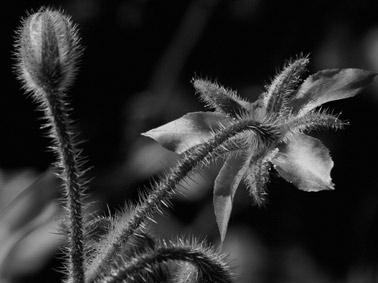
(283, 86)
(256, 178)
(313, 120)
(220, 99)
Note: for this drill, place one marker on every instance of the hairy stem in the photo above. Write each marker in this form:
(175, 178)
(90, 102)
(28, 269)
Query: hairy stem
(209, 266)
(165, 188)
(56, 112)
(283, 86)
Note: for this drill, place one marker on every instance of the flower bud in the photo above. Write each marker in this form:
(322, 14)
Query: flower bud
(47, 51)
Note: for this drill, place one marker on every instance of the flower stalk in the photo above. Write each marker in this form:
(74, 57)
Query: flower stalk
(164, 190)
(69, 171)
(47, 52)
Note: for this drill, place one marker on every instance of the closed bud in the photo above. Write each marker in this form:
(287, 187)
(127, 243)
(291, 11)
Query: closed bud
(47, 51)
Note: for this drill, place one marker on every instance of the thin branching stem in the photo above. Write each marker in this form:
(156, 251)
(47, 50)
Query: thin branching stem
(164, 190)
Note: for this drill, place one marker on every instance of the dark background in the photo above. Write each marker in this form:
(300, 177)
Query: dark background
(140, 56)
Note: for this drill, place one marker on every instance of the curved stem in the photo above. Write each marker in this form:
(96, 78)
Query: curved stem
(165, 189)
(210, 266)
(56, 112)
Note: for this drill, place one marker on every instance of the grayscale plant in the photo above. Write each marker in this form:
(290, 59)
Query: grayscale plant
(288, 108)
(250, 137)
(47, 52)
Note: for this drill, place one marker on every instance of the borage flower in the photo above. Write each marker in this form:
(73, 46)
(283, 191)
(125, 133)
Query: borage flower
(289, 105)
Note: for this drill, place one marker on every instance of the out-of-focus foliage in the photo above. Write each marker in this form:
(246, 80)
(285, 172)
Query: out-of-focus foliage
(28, 222)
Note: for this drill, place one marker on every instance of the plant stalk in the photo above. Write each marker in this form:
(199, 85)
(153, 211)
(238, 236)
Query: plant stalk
(164, 190)
(56, 111)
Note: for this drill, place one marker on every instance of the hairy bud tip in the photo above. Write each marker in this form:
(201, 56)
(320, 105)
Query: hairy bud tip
(47, 50)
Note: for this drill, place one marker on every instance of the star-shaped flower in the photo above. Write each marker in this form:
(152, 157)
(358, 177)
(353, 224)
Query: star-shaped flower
(290, 105)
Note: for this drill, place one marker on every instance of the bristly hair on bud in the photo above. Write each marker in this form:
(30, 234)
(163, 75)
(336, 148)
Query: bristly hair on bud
(47, 50)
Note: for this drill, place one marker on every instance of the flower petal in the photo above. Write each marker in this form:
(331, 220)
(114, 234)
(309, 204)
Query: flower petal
(221, 99)
(305, 162)
(329, 85)
(225, 186)
(191, 129)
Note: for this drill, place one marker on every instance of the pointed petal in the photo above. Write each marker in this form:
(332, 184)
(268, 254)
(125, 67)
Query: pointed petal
(305, 162)
(225, 187)
(222, 210)
(329, 85)
(191, 129)
(218, 98)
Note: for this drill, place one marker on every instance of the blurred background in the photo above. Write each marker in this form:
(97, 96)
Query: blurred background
(140, 56)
